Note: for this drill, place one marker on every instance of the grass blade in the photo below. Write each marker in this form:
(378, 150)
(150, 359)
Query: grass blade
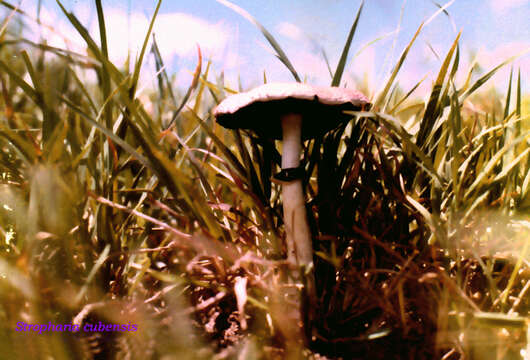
(483, 79)
(110, 134)
(139, 61)
(494, 162)
(344, 56)
(27, 88)
(399, 102)
(382, 96)
(195, 81)
(430, 114)
(236, 164)
(105, 77)
(508, 94)
(280, 54)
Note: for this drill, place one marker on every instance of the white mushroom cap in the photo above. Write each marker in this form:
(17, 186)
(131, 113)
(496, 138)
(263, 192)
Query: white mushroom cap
(261, 108)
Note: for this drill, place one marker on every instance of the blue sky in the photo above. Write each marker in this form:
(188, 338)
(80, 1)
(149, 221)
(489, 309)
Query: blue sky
(492, 30)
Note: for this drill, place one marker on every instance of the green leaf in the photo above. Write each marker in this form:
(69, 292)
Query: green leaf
(400, 101)
(109, 133)
(483, 79)
(430, 114)
(508, 93)
(280, 54)
(500, 320)
(6, 21)
(424, 162)
(508, 168)
(27, 88)
(93, 47)
(54, 149)
(99, 263)
(518, 104)
(382, 96)
(105, 77)
(194, 83)
(481, 177)
(344, 56)
(21, 144)
(138, 65)
(234, 162)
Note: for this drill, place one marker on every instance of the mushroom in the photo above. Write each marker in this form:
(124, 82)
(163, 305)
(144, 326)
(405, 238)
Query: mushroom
(291, 112)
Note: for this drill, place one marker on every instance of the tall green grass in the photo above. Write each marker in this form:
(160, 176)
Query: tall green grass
(161, 218)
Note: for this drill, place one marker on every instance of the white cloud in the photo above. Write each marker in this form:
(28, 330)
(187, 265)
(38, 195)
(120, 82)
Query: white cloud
(311, 65)
(505, 5)
(177, 34)
(364, 63)
(84, 11)
(487, 59)
(490, 58)
(53, 30)
(289, 30)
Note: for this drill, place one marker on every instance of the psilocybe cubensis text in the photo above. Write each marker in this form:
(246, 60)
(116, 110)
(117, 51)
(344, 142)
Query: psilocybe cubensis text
(86, 327)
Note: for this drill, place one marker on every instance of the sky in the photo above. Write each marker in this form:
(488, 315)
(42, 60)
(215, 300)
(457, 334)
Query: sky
(492, 31)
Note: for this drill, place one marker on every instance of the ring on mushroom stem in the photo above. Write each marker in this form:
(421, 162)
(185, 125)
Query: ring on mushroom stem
(288, 174)
(291, 112)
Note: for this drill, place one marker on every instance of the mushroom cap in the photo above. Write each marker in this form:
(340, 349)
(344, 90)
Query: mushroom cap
(260, 109)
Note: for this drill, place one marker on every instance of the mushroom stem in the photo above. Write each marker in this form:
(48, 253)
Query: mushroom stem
(298, 234)
(299, 244)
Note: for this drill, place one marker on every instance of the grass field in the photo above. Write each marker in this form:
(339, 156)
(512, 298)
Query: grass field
(143, 211)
